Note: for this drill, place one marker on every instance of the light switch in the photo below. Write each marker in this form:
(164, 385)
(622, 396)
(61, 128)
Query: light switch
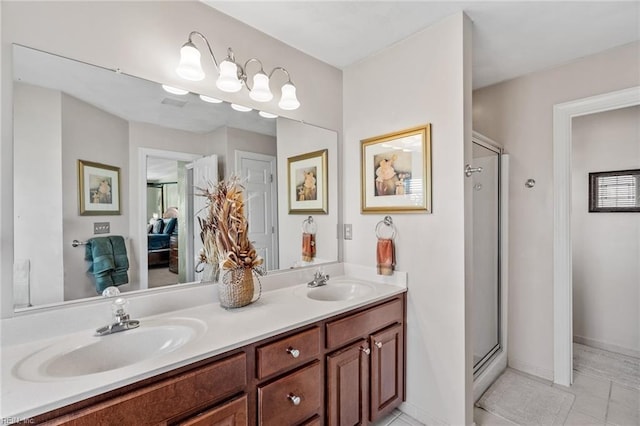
(101, 228)
(348, 231)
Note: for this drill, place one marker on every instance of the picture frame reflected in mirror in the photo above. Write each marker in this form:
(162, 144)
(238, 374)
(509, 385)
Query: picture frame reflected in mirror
(307, 183)
(98, 189)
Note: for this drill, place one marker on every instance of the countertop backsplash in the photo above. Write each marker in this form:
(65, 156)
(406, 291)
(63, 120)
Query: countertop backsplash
(49, 322)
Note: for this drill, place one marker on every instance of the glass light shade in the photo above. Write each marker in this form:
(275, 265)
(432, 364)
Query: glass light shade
(266, 114)
(190, 67)
(174, 90)
(228, 78)
(241, 108)
(288, 101)
(261, 91)
(210, 99)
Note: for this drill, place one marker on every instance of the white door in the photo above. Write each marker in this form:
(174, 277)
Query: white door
(204, 172)
(258, 172)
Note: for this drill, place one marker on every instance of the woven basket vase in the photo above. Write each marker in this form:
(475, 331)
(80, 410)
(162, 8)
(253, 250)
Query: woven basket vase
(236, 288)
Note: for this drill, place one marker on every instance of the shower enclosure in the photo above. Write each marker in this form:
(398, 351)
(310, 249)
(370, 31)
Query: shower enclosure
(487, 176)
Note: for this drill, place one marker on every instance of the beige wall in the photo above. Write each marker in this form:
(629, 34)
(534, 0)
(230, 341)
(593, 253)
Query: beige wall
(518, 114)
(143, 39)
(605, 246)
(89, 134)
(430, 247)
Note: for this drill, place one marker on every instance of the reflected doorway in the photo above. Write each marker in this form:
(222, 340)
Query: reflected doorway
(163, 221)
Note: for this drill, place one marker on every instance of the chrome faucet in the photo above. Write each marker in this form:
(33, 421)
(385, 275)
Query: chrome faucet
(121, 319)
(319, 279)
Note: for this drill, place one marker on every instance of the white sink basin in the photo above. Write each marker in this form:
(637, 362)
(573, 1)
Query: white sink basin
(340, 290)
(89, 354)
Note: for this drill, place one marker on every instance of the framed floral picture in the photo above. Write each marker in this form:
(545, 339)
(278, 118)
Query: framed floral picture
(98, 189)
(396, 172)
(308, 183)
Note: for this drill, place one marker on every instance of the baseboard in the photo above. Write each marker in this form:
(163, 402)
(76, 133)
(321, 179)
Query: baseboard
(598, 344)
(530, 369)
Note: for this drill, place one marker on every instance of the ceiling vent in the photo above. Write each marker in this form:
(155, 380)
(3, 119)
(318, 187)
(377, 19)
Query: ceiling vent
(173, 102)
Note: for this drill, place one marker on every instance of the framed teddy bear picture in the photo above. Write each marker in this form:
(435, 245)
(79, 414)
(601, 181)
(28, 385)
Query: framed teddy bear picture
(308, 183)
(396, 172)
(98, 189)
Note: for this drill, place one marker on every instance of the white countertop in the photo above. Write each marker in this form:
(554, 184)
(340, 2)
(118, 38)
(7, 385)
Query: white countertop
(278, 310)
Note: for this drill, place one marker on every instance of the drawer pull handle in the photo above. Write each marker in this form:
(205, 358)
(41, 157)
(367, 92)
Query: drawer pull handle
(295, 400)
(378, 344)
(367, 351)
(294, 353)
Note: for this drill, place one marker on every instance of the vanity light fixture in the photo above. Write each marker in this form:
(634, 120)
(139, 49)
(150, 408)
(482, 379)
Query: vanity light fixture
(232, 76)
(174, 90)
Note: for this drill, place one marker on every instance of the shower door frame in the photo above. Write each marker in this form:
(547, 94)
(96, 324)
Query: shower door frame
(485, 361)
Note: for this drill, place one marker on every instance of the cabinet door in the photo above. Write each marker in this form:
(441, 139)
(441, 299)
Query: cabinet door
(233, 413)
(347, 385)
(387, 371)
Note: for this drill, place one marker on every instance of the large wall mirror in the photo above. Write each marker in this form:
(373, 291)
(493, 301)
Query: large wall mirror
(151, 149)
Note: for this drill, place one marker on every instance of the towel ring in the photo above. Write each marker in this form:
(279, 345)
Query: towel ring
(309, 226)
(385, 226)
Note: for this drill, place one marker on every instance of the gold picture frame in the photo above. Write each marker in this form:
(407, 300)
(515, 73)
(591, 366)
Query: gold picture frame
(98, 189)
(308, 183)
(396, 172)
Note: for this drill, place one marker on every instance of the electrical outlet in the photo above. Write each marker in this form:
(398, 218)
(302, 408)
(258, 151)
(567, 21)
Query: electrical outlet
(348, 231)
(101, 228)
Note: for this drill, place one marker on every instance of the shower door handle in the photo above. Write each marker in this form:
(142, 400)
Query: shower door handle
(468, 170)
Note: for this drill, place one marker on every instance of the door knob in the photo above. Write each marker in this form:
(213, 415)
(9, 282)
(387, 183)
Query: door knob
(468, 170)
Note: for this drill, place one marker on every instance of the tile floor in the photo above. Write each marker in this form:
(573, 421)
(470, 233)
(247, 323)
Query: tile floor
(598, 401)
(398, 418)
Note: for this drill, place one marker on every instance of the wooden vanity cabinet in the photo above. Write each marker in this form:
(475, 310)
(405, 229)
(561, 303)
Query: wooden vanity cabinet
(348, 385)
(345, 370)
(365, 379)
(168, 400)
(232, 413)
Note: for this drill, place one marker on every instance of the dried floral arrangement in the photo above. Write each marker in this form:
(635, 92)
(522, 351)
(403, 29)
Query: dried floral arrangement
(224, 231)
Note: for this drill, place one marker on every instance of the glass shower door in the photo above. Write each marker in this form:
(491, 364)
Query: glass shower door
(486, 253)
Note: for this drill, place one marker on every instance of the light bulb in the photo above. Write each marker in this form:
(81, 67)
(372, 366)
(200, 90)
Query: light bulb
(228, 79)
(288, 101)
(190, 67)
(266, 114)
(261, 91)
(174, 90)
(210, 99)
(241, 108)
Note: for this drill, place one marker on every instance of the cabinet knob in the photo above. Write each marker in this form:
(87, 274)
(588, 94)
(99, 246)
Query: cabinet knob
(365, 350)
(294, 353)
(295, 400)
(378, 344)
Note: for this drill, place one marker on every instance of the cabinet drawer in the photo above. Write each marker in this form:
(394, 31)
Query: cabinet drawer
(315, 421)
(287, 353)
(278, 402)
(169, 398)
(356, 326)
(233, 413)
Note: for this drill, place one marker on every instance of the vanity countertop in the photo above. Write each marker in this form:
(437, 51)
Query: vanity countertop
(278, 310)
